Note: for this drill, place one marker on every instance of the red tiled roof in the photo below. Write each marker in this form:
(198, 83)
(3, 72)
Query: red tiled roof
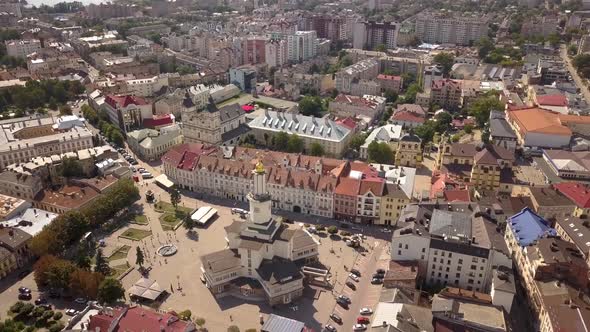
(408, 116)
(552, 100)
(137, 319)
(577, 192)
(376, 186)
(347, 122)
(158, 120)
(348, 187)
(460, 195)
(124, 101)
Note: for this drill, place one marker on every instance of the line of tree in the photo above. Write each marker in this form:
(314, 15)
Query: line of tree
(35, 94)
(285, 143)
(69, 227)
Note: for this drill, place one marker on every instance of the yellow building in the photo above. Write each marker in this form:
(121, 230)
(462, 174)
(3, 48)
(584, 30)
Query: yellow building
(409, 151)
(7, 262)
(394, 200)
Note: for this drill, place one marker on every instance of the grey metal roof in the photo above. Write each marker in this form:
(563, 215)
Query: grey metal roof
(501, 128)
(276, 323)
(305, 126)
(450, 223)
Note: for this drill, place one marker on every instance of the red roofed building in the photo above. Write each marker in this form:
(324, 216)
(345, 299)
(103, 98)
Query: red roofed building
(366, 106)
(577, 193)
(448, 187)
(408, 116)
(345, 197)
(349, 123)
(557, 103)
(159, 121)
(446, 93)
(369, 200)
(390, 82)
(137, 319)
(127, 111)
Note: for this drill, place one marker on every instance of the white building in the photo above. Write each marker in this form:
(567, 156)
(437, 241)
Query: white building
(389, 134)
(363, 70)
(22, 48)
(302, 45)
(276, 52)
(262, 249)
(127, 111)
(150, 144)
(146, 87)
(432, 74)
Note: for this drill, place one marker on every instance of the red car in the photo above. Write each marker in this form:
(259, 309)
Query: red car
(362, 320)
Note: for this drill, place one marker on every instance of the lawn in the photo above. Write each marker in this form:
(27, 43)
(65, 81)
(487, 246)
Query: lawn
(135, 234)
(167, 207)
(169, 221)
(120, 253)
(139, 220)
(117, 270)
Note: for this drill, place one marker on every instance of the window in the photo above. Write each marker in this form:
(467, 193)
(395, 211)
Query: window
(473, 267)
(457, 275)
(423, 249)
(399, 252)
(434, 259)
(406, 246)
(433, 266)
(470, 281)
(460, 261)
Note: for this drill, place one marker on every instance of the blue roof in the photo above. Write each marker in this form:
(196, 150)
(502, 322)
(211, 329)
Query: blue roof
(276, 323)
(527, 227)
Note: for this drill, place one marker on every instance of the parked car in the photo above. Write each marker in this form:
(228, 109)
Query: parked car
(142, 170)
(378, 276)
(354, 277)
(386, 230)
(376, 281)
(342, 303)
(344, 298)
(24, 296)
(329, 328)
(71, 312)
(380, 271)
(80, 300)
(24, 273)
(359, 327)
(350, 284)
(54, 294)
(355, 271)
(146, 175)
(336, 318)
(238, 210)
(365, 311)
(362, 320)
(24, 290)
(133, 162)
(40, 301)
(132, 169)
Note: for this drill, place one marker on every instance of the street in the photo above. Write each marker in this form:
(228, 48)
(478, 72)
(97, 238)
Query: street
(577, 79)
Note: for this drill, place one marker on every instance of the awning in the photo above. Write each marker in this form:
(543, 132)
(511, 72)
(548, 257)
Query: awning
(203, 214)
(163, 180)
(146, 289)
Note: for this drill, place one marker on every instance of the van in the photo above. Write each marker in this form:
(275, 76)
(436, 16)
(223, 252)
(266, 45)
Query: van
(147, 175)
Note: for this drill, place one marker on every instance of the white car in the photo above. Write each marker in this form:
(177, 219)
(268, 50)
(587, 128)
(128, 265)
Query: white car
(239, 211)
(146, 175)
(359, 327)
(354, 277)
(366, 311)
(71, 312)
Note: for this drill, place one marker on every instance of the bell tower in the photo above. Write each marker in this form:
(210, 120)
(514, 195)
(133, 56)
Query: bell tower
(259, 198)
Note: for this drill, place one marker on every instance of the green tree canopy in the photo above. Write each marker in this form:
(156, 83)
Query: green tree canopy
(317, 149)
(175, 197)
(110, 290)
(139, 256)
(71, 167)
(295, 144)
(101, 264)
(280, 141)
(311, 105)
(482, 106)
(380, 153)
(446, 60)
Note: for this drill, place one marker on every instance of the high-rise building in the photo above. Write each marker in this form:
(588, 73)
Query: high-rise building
(329, 27)
(449, 29)
(276, 53)
(370, 34)
(254, 50)
(302, 45)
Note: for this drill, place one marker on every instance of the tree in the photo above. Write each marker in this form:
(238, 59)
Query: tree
(311, 105)
(446, 60)
(58, 274)
(572, 49)
(411, 92)
(554, 39)
(175, 197)
(443, 122)
(185, 314)
(317, 149)
(332, 229)
(426, 131)
(381, 48)
(82, 260)
(200, 321)
(85, 283)
(390, 96)
(295, 144)
(189, 223)
(101, 264)
(89, 114)
(357, 141)
(380, 153)
(485, 46)
(110, 290)
(233, 328)
(280, 141)
(117, 138)
(139, 256)
(65, 110)
(482, 106)
(71, 167)
(468, 129)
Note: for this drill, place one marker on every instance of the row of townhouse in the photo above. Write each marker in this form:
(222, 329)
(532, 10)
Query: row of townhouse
(296, 183)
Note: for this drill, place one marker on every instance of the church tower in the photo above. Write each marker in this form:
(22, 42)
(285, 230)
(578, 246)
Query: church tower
(259, 198)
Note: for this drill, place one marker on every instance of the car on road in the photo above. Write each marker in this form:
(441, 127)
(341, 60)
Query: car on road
(355, 271)
(80, 300)
(386, 230)
(132, 169)
(238, 210)
(24, 296)
(362, 320)
(344, 298)
(133, 162)
(365, 311)
(329, 328)
(378, 276)
(380, 271)
(146, 175)
(336, 318)
(40, 301)
(376, 281)
(354, 277)
(359, 327)
(24, 273)
(24, 290)
(350, 285)
(71, 312)
(142, 170)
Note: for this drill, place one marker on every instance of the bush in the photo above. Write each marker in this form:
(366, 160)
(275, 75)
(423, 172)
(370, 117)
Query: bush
(17, 307)
(332, 229)
(251, 330)
(58, 316)
(233, 328)
(321, 228)
(38, 311)
(185, 315)
(345, 233)
(48, 314)
(30, 329)
(455, 138)
(56, 328)
(306, 225)
(200, 321)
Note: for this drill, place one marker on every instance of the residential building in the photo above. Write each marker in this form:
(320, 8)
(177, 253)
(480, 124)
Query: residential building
(30, 220)
(568, 164)
(446, 93)
(391, 83)
(402, 274)
(539, 27)
(131, 318)
(172, 103)
(147, 87)
(408, 116)
(110, 10)
(302, 45)
(12, 206)
(409, 151)
(549, 203)
(24, 138)
(212, 125)
(579, 194)
(371, 34)
(254, 50)
(14, 250)
(12, 8)
(389, 134)
(503, 288)
(147, 30)
(369, 201)
(363, 70)
(458, 248)
(431, 74)
(451, 28)
(127, 111)
(275, 323)
(535, 127)
(576, 231)
(365, 87)
(262, 250)
(345, 197)
(366, 107)
(150, 144)
(21, 48)
(333, 137)
(276, 52)
(243, 77)
(501, 133)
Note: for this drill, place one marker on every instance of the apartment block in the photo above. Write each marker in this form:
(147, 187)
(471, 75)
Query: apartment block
(448, 28)
(276, 52)
(364, 70)
(22, 48)
(371, 34)
(302, 45)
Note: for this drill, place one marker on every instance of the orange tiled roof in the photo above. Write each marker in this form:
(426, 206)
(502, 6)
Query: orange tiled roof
(539, 120)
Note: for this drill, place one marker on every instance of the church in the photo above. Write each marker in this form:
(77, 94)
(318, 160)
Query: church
(263, 257)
